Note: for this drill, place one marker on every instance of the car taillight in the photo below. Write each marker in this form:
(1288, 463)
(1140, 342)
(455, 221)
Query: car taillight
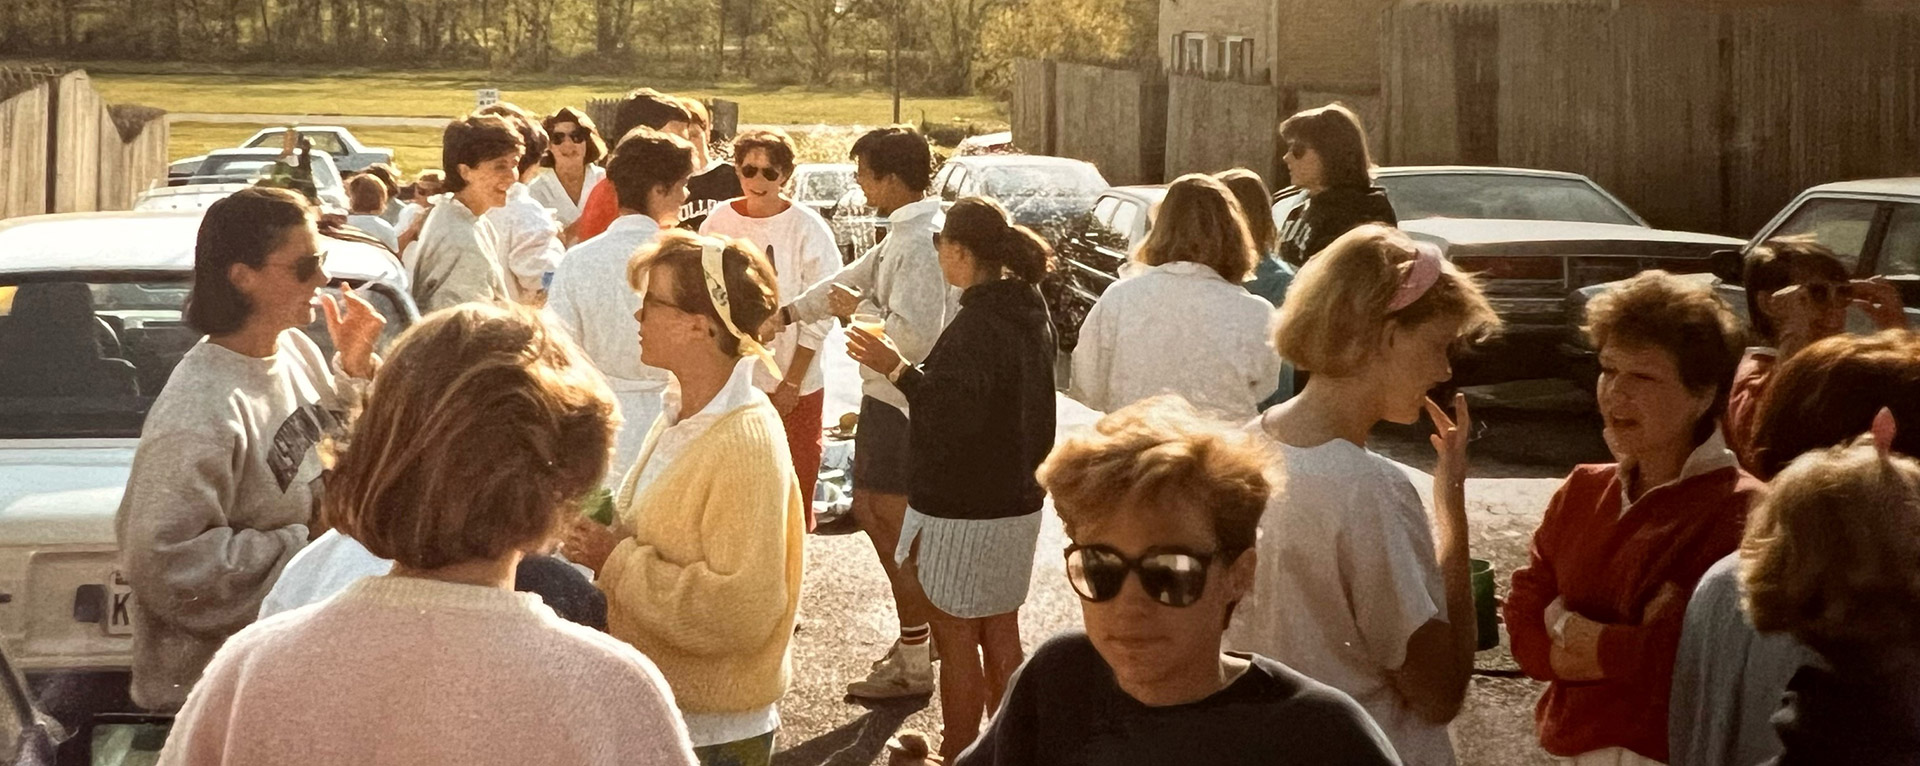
(1513, 266)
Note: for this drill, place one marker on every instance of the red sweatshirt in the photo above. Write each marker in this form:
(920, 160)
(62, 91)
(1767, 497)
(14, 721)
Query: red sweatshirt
(1750, 382)
(602, 206)
(1608, 568)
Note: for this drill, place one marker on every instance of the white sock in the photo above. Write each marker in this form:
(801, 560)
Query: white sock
(917, 655)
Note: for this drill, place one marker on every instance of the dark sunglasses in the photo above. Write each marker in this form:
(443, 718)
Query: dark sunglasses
(577, 135)
(1172, 576)
(750, 171)
(306, 266)
(1828, 292)
(1296, 150)
(649, 300)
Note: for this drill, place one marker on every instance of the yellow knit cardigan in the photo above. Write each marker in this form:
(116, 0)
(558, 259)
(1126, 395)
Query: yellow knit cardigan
(708, 584)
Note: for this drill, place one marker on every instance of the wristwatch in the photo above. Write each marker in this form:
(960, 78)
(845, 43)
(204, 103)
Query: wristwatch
(1559, 628)
(786, 315)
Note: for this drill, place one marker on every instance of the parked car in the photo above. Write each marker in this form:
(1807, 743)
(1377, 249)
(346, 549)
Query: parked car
(856, 225)
(986, 143)
(347, 152)
(65, 606)
(195, 182)
(1089, 260)
(28, 737)
(820, 185)
(1874, 226)
(1534, 237)
(1050, 195)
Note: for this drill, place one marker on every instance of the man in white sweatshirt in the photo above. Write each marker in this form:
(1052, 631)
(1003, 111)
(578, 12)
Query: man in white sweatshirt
(899, 280)
(589, 296)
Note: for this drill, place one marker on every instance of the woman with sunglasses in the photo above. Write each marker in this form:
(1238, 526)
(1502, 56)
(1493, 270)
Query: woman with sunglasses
(571, 168)
(1162, 507)
(801, 246)
(982, 420)
(226, 480)
(1361, 591)
(1327, 157)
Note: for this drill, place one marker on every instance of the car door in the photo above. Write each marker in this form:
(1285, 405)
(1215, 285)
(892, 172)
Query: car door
(1088, 263)
(1898, 258)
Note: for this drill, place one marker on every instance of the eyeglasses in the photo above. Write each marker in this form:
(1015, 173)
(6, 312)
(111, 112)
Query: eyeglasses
(1828, 292)
(577, 135)
(306, 266)
(1297, 150)
(648, 300)
(1172, 576)
(750, 171)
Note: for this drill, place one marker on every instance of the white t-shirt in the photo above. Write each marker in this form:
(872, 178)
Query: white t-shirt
(527, 237)
(1178, 328)
(325, 567)
(1348, 572)
(547, 188)
(801, 247)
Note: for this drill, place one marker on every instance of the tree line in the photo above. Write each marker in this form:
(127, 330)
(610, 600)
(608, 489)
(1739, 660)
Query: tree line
(946, 46)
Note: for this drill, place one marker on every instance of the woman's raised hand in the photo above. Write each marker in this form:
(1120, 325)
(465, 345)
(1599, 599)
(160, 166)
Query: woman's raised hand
(1449, 440)
(354, 324)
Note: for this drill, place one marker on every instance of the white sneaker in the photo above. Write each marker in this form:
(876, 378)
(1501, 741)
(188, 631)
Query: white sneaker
(901, 674)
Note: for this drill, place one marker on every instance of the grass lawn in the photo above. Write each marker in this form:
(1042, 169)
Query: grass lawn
(290, 90)
(414, 149)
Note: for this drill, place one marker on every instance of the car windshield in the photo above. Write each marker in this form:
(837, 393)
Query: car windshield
(87, 358)
(1071, 182)
(245, 168)
(823, 185)
(1489, 195)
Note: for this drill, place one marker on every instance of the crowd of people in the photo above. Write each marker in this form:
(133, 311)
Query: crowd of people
(387, 556)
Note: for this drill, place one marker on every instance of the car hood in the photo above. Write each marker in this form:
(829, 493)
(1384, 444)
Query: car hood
(1496, 236)
(62, 491)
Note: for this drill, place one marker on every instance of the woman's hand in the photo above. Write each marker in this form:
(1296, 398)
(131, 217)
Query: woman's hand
(1449, 441)
(354, 324)
(785, 397)
(589, 543)
(876, 353)
(1576, 654)
(1881, 302)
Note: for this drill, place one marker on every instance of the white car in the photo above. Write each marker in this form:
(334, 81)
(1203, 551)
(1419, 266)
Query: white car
(90, 329)
(338, 142)
(196, 182)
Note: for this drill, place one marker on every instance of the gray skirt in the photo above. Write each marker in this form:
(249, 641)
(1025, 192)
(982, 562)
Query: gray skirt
(971, 568)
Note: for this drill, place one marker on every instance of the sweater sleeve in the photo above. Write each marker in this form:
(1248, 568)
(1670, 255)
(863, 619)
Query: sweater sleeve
(1648, 649)
(917, 303)
(736, 592)
(1092, 358)
(186, 562)
(1534, 588)
(201, 729)
(814, 305)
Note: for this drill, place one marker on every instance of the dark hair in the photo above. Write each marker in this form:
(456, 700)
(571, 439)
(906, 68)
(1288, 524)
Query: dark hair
(1686, 319)
(898, 151)
(389, 176)
(1830, 391)
(243, 227)
(649, 108)
(983, 227)
(774, 141)
(366, 194)
(533, 137)
(472, 140)
(644, 160)
(1256, 204)
(1334, 131)
(753, 291)
(596, 146)
(1777, 264)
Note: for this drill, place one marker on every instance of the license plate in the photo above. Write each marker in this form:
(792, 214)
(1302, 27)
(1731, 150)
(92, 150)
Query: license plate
(119, 616)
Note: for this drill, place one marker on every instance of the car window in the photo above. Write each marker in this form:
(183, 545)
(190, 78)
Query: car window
(955, 182)
(14, 717)
(1841, 225)
(86, 359)
(1900, 251)
(1071, 182)
(326, 142)
(1125, 218)
(1501, 196)
(1100, 229)
(823, 186)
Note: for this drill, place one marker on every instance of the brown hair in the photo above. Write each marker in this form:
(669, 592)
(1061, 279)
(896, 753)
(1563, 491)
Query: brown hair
(472, 140)
(753, 292)
(1160, 455)
(480, 432)
(1829, 553)
(1334, 131)
(366, 194)
(774, 141)
(983, 227)
(1336, 311)
(647, 107)
(1830, 391)
(1682, 317)
(1256, 206)
(1777, 264)
(243, 227)
(596, 146)
(533, 137)
(645, 160)
(1200, 221)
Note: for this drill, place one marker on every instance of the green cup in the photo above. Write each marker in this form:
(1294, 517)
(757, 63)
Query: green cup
(598, 505)
(1485, 610)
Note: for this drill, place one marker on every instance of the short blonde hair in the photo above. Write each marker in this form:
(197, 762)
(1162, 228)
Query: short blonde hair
(479, 434)
(1336, 312)
(1161, 455)
(753, 291)
(1829, 554)
(1200, 221)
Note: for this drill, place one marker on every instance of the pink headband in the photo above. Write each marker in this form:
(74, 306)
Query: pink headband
(1422, 272)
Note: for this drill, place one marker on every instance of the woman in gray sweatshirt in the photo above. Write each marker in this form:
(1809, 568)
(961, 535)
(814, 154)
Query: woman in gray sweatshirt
(226, 478)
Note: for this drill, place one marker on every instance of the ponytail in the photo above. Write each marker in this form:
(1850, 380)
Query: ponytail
(983, 227)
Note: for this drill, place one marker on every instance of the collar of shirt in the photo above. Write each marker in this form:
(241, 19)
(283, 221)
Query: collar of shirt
(1187, 269)
(633, 224)
(519, 191)
(1760, 351)
(454, 207)
(738, 392)
(1712, 455)
(925, 207)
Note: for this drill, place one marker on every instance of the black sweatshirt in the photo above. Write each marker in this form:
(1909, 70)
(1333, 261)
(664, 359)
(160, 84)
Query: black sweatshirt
(1312, 226)
(981, 407)
(1064, 708)
(705, 191)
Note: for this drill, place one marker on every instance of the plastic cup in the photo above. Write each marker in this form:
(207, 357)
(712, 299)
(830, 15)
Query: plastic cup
(873, 324)
(1486, 611)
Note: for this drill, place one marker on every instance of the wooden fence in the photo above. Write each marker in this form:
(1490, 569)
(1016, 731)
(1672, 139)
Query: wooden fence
(23, 145)
(63, 150)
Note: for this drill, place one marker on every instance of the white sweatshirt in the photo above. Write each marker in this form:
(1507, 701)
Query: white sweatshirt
(802, 250)
(455, 260)
(527, 239)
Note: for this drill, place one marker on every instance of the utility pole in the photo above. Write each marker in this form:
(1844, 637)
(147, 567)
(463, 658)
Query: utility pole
(894, 57)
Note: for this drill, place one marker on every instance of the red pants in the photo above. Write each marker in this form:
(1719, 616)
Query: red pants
(804, 440)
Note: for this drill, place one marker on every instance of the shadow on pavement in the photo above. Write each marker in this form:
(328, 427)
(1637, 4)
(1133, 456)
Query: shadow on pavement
(858, 742)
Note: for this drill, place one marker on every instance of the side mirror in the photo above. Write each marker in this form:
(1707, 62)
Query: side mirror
(1728, 265)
